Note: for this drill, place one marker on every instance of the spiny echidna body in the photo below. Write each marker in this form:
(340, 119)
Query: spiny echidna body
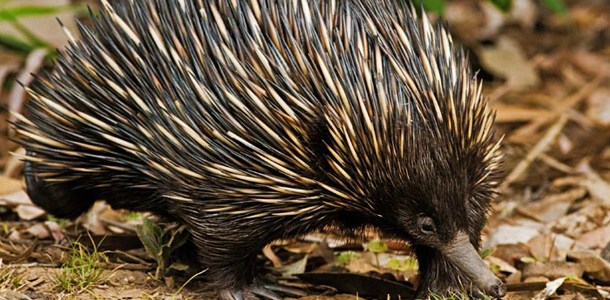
(250, 121)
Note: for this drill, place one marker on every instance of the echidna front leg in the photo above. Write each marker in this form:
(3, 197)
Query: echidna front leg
(265, 290)
(229, 250)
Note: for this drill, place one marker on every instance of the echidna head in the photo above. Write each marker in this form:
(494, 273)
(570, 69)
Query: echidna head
(445, 192)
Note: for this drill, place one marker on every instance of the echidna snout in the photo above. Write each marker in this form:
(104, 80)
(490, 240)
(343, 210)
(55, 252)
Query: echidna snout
(251, 121)
(464, 256)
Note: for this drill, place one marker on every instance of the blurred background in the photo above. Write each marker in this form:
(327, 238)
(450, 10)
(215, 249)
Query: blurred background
(546, 69)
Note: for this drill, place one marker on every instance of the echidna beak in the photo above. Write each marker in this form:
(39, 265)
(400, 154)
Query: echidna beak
(463, 255)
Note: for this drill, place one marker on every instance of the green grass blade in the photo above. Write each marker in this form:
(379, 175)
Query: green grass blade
(14, 44)
(556, 6)
(503, 5)
(36, 10)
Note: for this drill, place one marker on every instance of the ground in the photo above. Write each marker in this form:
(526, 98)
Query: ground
(545, 72)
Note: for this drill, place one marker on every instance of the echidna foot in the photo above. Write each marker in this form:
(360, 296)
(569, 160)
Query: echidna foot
(265, 290)
(292, 291)
(236, 294)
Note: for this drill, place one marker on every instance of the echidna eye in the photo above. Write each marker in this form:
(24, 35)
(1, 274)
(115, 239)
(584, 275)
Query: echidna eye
(426, 225)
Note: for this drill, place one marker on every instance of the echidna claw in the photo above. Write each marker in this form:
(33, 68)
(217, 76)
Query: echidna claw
(292, 291)
(265, 290)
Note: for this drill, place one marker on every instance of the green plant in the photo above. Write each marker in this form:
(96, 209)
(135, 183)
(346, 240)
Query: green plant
(438, 6)
(134, 215)
(82, 270)
(31, 41)
(451, 296)
(61, 222)
(160, 241)
(377, 247)
(487, 252)
(459, 295)
(409, 264)
(344, 257)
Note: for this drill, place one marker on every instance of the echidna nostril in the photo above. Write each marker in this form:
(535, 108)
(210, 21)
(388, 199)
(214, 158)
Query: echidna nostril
(498, 290)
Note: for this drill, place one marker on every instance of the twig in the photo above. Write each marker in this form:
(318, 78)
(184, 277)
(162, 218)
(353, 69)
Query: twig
(555, 164)
(118, 225)
(542, 145)
(268, 252)
(561, 108)
(17, 97)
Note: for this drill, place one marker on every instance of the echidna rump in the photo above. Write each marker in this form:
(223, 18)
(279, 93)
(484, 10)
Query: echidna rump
(250, 121)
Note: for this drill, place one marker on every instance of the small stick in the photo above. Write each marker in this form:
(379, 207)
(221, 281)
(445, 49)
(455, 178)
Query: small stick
(555, 164)
(542, 145)
(561, 108)
(268, 252)
(118, 225)
(17, 97)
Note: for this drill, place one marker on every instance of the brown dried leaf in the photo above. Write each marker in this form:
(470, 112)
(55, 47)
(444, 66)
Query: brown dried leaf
(550, 289)
(9, 185)
(39, 231)
(597, 186)
(507, 60)
(552, 269)
(92, 220)
(598, 107)
(555, 206)
(550, 247)
(597, 238)
(594, 266)
(56, 231)
(29, 212)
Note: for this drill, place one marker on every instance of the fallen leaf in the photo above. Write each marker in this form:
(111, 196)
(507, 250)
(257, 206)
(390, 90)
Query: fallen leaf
(9, 186)
(597, 238)
(56, 231)
(504, 267)
(91, 220)
(507, 60)
(554, 206)
(512, 253)
(552, 246)
(598, 107)
(297, 267)
(39, 231)
(510, 234)
(594, 266)
(552, 269)
(550, 289)
(16, 198)
(597, 186)
(29, 212)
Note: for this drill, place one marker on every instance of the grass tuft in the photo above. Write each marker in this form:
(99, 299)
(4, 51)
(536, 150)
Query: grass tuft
(452, 295)
(82, 270)
(10, 278)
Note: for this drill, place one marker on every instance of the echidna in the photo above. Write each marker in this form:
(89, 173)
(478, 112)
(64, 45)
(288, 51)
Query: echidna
(250, 121)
